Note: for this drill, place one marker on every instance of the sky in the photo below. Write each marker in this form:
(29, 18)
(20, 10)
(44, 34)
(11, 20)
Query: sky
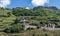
(29, 3)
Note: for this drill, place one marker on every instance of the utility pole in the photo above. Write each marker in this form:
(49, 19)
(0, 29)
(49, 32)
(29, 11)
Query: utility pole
(24, 21)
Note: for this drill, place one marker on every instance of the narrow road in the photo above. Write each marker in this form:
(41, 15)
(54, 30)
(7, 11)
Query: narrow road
(51, 28)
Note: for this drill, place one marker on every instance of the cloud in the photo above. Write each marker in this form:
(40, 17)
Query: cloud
(4, 3)
(39, 2)
(27, 8)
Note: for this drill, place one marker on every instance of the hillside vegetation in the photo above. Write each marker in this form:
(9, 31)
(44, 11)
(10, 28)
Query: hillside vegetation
(10, 24)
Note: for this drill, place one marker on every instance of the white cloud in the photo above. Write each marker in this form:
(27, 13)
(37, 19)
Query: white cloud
(39, 2)
(27, 8)
(4, 3)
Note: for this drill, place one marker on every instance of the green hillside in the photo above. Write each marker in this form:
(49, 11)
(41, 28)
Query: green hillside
(10, 24)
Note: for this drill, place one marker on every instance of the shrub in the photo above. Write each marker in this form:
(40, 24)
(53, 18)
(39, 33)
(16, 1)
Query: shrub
(14, 29)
